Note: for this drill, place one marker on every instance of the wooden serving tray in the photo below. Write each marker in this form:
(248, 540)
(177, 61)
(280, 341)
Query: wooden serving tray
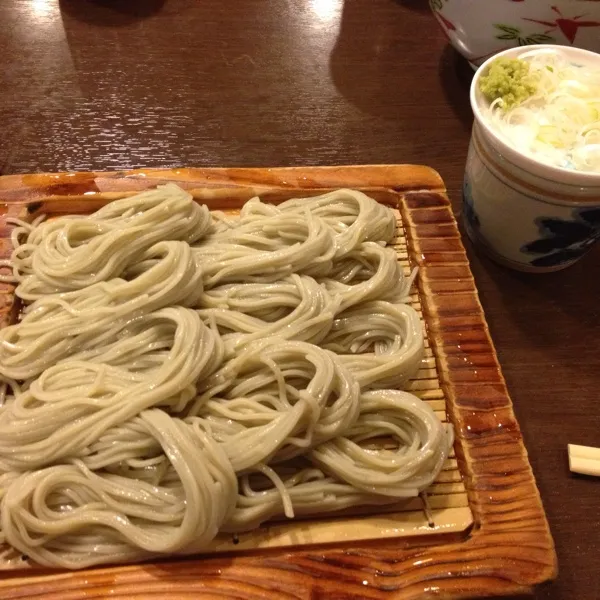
(484, 533)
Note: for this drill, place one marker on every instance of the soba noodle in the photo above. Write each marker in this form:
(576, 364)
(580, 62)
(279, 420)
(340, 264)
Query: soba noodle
(176, 373)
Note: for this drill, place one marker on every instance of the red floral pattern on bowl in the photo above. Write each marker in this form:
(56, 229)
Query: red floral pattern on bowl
(479, 29)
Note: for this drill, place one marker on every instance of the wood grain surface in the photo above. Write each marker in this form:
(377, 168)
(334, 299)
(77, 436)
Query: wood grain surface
(110, 84)
(509, 547)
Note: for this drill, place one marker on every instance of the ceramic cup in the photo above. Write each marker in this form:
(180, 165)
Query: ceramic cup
(523, 213)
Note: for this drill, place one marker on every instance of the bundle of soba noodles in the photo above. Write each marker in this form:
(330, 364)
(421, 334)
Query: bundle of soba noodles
(176, 373)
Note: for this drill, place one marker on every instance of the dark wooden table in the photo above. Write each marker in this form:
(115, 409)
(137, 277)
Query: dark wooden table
(111, 84)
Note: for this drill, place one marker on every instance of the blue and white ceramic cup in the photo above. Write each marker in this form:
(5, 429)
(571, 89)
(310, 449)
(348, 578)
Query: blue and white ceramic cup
(525, 214)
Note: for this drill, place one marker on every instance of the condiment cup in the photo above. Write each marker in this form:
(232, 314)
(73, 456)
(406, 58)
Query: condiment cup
(526, 214)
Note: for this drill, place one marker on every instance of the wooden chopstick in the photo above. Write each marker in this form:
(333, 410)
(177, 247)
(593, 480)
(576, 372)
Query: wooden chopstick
(584, 460)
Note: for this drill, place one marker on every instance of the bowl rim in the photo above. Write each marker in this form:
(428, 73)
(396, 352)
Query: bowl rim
(512, 154)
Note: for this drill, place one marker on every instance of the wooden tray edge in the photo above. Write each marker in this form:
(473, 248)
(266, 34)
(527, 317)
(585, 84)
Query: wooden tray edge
(511, 531)
(28, 187)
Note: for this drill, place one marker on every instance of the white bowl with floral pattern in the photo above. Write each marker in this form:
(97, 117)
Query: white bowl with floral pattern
(478, 29)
